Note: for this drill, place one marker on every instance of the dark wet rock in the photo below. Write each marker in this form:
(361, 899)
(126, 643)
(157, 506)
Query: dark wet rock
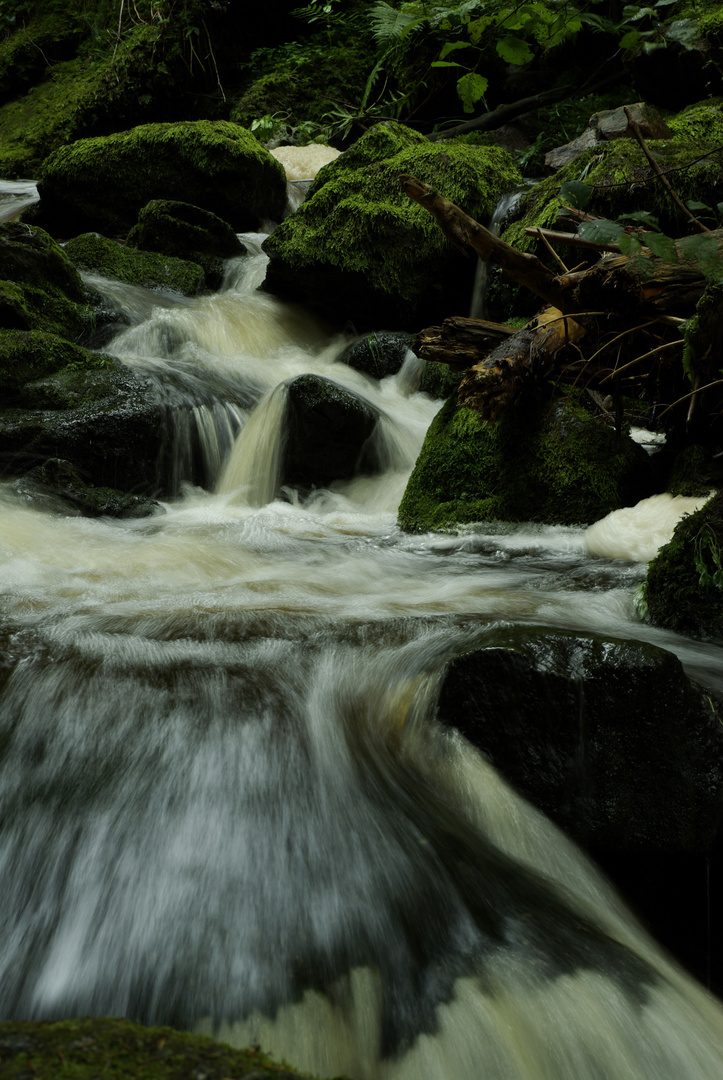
(59, 483)
(101, 417)
(549, 462)
(607, 125)
(97, 254)
(608, 738)
(683, 589)
(378, 354)
(358, 250)
(40, 289)
(186, 232)
(328, 435)
(101, 184)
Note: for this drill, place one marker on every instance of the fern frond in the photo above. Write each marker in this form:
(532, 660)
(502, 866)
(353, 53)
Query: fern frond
(390, 25)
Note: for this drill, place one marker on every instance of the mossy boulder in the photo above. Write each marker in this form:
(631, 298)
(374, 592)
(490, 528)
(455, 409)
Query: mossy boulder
(57, 485)
(553, 463)
(328, 434)
(358, 250)
(98, 254)
(92, 1048)
(186, 232)
(683, 590)
(101, 184)
(40, 289)
(552, 710)
(29, 357)
(93, 412)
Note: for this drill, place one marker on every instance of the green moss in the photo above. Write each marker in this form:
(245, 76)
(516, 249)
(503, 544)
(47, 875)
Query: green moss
(356, 221)
(690, 474)
(120, 1050)
(679, 591)
(149, 269)
(26, 357)
(40, 289)
(557, 465)
(307, 86)
(438, 380)
(102, 183)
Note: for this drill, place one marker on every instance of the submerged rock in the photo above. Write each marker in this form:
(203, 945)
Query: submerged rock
(328, 434)
(683, 590)
(59, 483)
(40, 289)
(186, 232)
(149, 269)
(609, 738)
(101, 184)
(359, 250)
(554, 464)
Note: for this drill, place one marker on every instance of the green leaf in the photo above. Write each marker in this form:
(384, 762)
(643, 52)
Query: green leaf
(683, 31)
(601, 231)
(452, 46)
(641, 217)
(576, 194)
(661, 245)
(446, 63)
(629, 244)
(514, 50)
(630, 40)
(694, 206)
(471, 87)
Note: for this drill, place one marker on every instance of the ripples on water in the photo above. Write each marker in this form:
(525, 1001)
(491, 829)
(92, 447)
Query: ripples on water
(225, 801)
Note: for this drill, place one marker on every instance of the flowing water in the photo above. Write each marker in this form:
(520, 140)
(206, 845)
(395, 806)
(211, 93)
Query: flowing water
(225, 802)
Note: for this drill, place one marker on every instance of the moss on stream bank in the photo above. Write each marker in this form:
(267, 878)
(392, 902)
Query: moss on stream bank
(110, 1049)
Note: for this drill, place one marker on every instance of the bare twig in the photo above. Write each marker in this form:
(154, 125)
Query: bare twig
(643, 356)
(548, 245)
(698, 390)
(120, 27)
(635, 128)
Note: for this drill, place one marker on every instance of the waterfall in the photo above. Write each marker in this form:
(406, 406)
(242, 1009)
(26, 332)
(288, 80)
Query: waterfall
(477, 307)
(226, 800)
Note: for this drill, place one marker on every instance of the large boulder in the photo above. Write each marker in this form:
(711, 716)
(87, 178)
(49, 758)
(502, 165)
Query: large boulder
(358, 250)
(551, 463)
(56, 484)
(40, 288)
(61, 401)
(175, 228)
(328, 434)
(683, 589)
(96, 253)
(101, 184)
(378, 354)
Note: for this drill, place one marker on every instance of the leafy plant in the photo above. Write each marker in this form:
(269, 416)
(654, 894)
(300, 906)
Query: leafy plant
(706, 551)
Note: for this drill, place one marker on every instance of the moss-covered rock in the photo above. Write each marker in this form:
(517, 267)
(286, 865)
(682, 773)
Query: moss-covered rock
(96, 253)
(95, 1048)
(95, 413)
(101, 184)
(555, 464)
(186, 232)
(359, 250)
(29, 357)
(438, 380)
(40, 289)
(683, 589)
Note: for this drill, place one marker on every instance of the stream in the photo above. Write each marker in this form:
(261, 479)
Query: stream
(225, 801)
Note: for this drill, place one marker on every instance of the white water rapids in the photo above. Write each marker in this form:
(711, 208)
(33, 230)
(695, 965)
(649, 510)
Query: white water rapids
(224, 799)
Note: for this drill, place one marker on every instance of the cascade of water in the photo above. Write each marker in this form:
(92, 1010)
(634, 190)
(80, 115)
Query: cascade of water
(225, 802)
(16, 196)
(477, 307)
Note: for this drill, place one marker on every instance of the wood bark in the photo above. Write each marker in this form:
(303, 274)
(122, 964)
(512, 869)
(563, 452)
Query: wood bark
(460, 342)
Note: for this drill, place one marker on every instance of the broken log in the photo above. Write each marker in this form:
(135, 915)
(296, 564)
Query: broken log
(459, 342)
(498, 381)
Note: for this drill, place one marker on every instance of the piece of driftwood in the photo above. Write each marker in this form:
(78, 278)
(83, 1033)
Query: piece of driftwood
(459, 342)
(498, 381)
